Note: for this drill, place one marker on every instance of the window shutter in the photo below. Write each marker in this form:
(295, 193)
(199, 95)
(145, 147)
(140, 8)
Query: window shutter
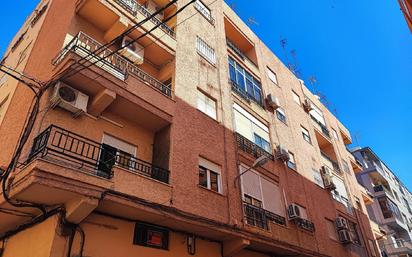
(251, 184)
(272, 197)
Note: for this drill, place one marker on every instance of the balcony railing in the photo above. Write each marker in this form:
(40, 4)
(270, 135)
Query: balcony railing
(305, 224)
(260, 217)
(251, 148)
(132, 7)
(84, 45)
(239, 52)
(242, 93)
(322, 127)
(80, 152)
(382, 188)
(331, 162)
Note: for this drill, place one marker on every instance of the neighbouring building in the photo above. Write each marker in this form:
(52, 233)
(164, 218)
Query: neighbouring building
(152, 150)
(406, 8)
(391, 208)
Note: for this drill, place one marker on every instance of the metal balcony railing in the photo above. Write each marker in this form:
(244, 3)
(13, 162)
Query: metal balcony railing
(84, 45)
(249, 147)
(260, 217)
(132, 7)
(239, 52)
(322, 127)
(331, 162)
(242, 93)
(80, 152)
(305, 224)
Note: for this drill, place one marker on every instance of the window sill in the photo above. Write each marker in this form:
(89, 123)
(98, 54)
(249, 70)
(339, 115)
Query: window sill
(211, 191)
(218, 122)
(206, 59)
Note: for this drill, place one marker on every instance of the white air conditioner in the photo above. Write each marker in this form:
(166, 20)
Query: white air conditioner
(282, 153)
(272, 101)
(69, 99)
(134, 52)
(308, 105)
(327, 178)
(344, 236)
(152, 7)
(341, 223)
(293, 211)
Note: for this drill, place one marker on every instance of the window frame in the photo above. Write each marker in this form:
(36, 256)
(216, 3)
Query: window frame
(305, 134)
(206, 51)
(203, 9)
(210, 172)
(141, 235)
(272, 76)
(206, 100)
(292, 164)
(281, 115)
(296, 98)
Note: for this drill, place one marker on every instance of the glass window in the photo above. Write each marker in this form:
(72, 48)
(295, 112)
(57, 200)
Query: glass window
(317, 177)
(305, 134)
(281, 115)
(291, 163)
(206, 105)
(209, 175)
(151, 236)
(272, 76)
(345, 166)
(335, 134)
(262, 143)
(244, 81)
(296, 97)
(204, 10)
(331, 229)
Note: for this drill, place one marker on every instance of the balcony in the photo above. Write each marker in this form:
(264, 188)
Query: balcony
(260, 217)
(382, 188)
(84, 46)
(109, 16)
(60, 145)
(251, 148)
(322, 128)
(238, 52)
(330, 163)
(305, 224)
(242, 93)
(400, 247)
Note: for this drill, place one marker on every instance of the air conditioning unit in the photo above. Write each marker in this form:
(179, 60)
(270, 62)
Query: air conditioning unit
(272, 101)
(293, 212)
(69, 99)
(152, 7)
(134, 52)
(307, 105)
(282, 153)
(344, 236)
(341, 223)
(327, 178)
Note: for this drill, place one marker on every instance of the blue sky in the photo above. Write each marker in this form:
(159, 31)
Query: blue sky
(359, 52)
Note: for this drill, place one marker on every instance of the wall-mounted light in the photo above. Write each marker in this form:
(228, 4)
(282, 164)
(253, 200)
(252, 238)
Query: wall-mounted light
(191, 244)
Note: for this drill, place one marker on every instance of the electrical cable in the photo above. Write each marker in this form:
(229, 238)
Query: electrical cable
(113, 41)
(132, 41)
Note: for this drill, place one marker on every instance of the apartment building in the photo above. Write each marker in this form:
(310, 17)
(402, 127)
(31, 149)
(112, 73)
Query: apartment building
(391, 208)
(193, 140)
(406, 8)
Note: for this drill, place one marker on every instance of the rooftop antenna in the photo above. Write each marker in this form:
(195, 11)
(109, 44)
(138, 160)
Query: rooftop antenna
(295, 62)
(283, 43)
(252, 21)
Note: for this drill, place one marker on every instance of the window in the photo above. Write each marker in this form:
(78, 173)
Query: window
(340, 194)
(407, 205)
(292, 162)
(317, 177)
(272, 76)
(389, 208)
(335, 134)
(251, 128)
(296, 97)
(281, 115)
(205, 50)
(244, 82)
(18, 41)
(209, 175)
(305, 134)
(331, 229)
(204, 10)
(3, 105)
(116, 151)
(151, 236)
(38, 15)
(396, 195)
(206, 105)
(260, 193)
(345, 166)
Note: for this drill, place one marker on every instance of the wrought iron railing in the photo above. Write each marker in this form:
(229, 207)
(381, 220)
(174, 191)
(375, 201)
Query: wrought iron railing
(249, 147)
(305, 224)
(260, 217)
(80, 152)
(242, 93)
(84, 45)
(334, 164)
(239, 52)
(204, 11)
(132, 7)
(322, 127)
